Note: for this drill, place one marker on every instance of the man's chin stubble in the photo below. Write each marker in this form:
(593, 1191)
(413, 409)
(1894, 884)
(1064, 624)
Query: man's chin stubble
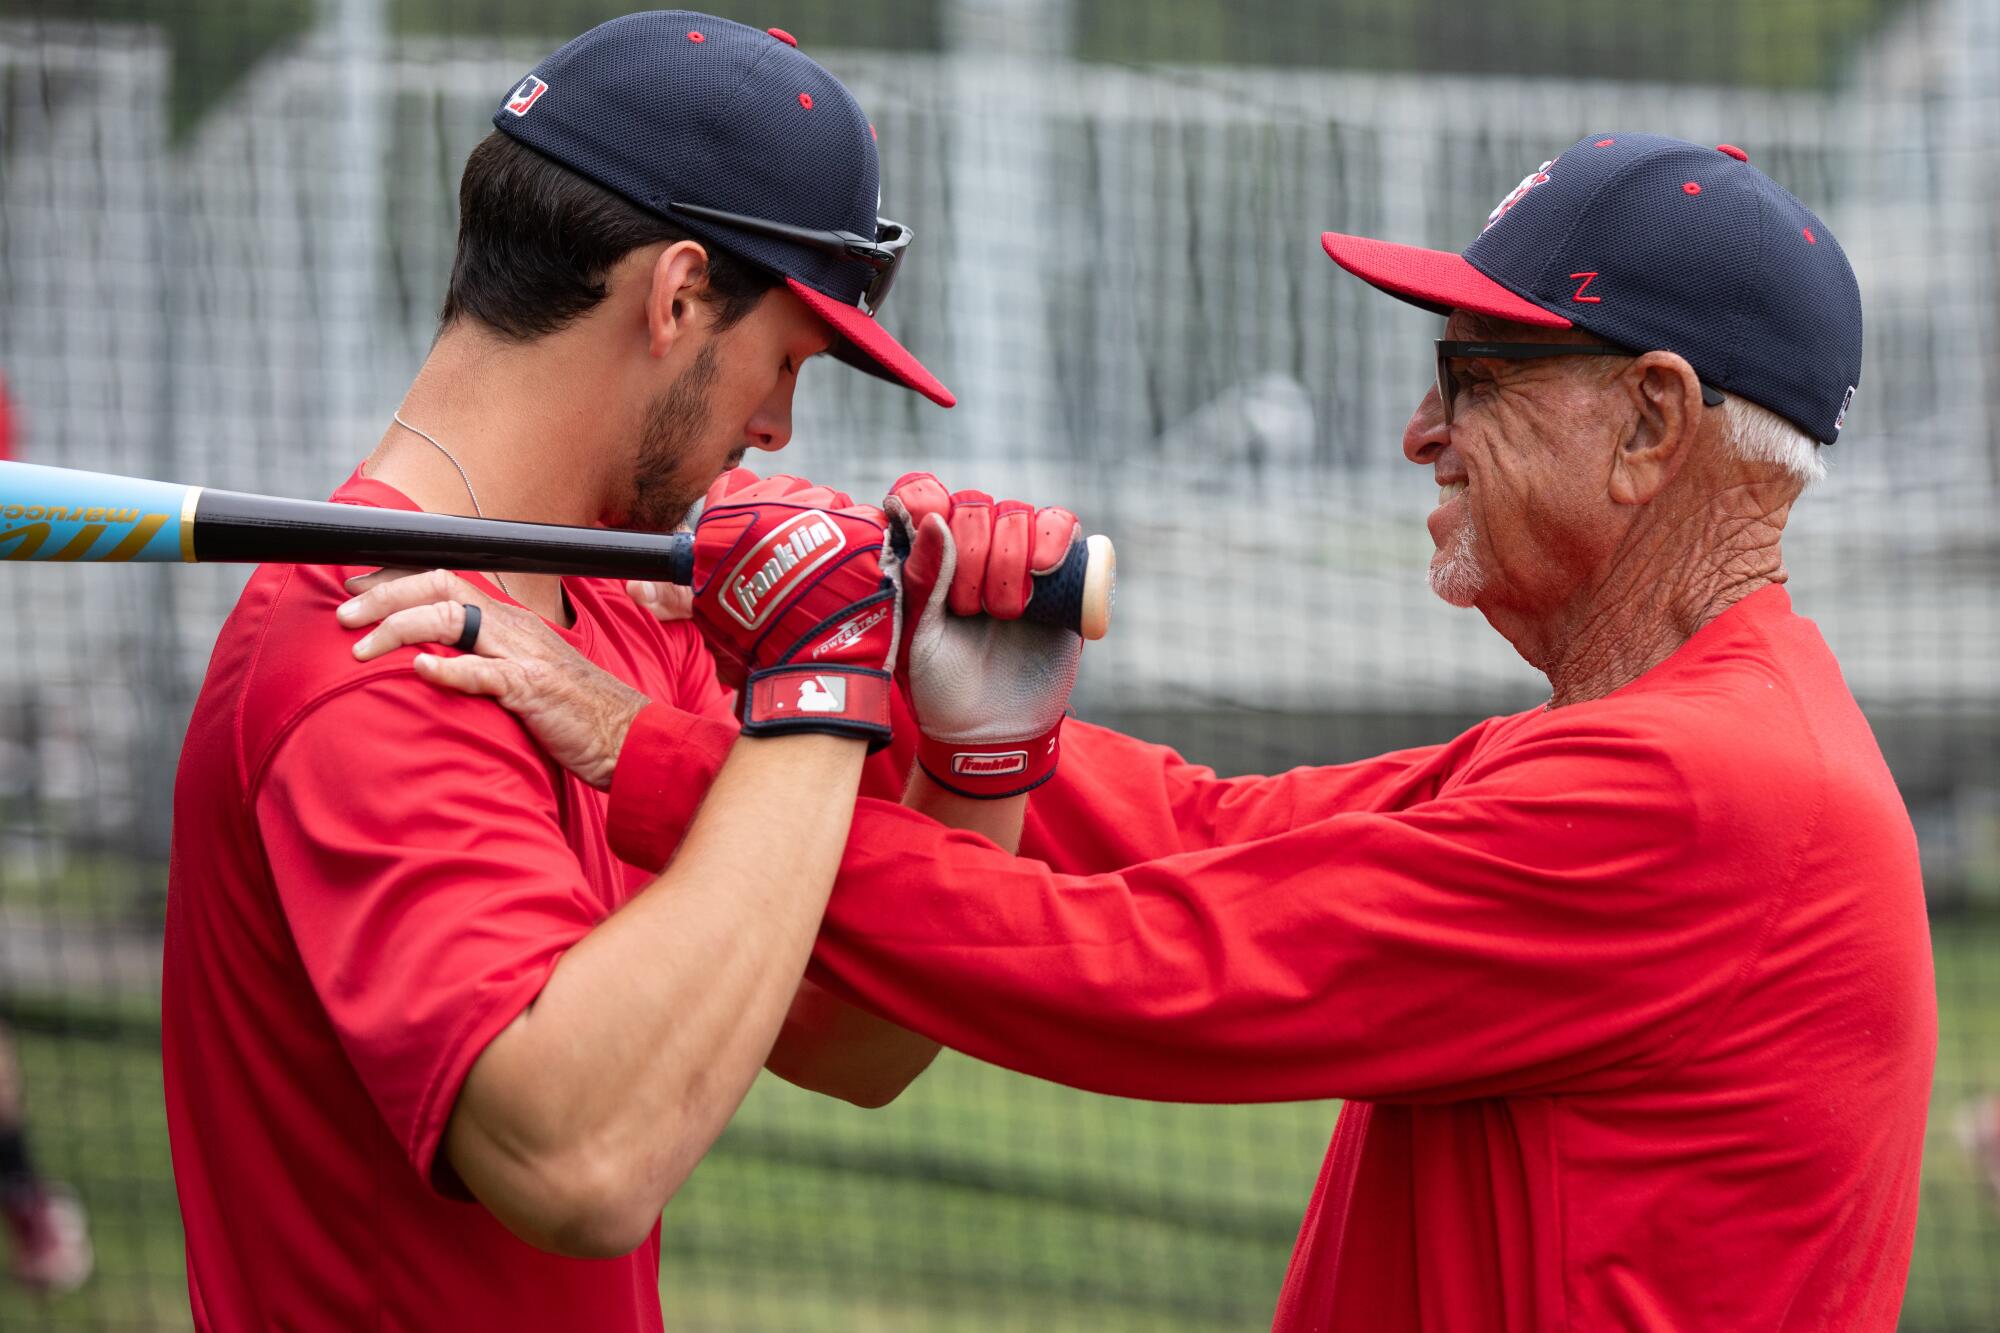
(675, 515)
(660, 503)
(661, 506)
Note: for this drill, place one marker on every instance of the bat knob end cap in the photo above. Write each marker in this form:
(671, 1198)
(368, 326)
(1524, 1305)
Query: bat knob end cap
(1100, 587)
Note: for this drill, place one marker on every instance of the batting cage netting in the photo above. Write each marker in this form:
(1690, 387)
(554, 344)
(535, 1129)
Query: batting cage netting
(225, 227)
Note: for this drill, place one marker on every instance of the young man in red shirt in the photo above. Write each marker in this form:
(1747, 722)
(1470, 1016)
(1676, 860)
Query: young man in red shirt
(434, 1058)
(1630, 996)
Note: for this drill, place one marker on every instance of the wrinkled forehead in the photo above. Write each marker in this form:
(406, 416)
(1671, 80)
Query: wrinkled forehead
(1465, 326)
(1468, 326)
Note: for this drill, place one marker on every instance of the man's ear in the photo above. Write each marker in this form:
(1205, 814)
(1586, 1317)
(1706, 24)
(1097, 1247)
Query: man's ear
(674, 305)
(1665, 394)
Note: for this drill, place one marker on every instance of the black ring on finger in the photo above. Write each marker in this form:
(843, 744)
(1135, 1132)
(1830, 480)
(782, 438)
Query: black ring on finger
(468, 637)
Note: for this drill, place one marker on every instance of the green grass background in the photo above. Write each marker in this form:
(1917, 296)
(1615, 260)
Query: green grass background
(978, 1201)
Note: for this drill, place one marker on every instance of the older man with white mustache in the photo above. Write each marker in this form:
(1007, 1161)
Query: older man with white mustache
(1630, 995)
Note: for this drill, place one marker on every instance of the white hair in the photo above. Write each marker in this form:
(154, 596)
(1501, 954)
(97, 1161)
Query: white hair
(1759, 435)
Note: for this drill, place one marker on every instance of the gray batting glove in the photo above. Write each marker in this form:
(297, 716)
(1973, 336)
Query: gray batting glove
(989, 689)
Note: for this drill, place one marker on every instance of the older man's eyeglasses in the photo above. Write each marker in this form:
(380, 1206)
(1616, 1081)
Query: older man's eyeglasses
(884, 254)
(1449, 350)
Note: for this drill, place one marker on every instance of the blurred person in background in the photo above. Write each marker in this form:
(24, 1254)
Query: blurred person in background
(46, 1228)
(47, 1232)
(1629, 996)
(1979, 1134)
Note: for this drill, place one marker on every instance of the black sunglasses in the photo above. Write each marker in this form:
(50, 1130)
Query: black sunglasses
(1448, 350)
(884, 254)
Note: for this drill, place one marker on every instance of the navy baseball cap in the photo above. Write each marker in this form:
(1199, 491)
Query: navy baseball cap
(1654, 243)
(737, 137)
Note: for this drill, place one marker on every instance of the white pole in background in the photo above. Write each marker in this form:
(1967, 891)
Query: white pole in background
(1971, 177)
(356, 32)
(1003, 166)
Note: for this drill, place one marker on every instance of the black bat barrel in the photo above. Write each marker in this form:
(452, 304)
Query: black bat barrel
(231, 526)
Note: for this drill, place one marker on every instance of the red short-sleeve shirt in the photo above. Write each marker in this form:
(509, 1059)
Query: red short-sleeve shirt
(372, 877)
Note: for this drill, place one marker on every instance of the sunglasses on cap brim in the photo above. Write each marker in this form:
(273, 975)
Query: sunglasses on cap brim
(884, 254)
(1450, 349)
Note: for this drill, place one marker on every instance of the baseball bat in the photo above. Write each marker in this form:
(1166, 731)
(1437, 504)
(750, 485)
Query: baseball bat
(60, 514)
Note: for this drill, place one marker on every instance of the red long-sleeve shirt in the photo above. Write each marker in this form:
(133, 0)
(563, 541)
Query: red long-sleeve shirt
(1632, 1000)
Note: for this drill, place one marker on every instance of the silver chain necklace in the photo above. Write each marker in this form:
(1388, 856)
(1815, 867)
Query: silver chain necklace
(431, 440)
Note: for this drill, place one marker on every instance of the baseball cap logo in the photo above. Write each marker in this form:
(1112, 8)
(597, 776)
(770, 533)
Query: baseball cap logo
(1846, 402)
(526, 93)
(1539, 176)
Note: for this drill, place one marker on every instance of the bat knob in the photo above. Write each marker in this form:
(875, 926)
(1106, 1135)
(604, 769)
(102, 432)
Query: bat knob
(1100, 587)
(1076, 595)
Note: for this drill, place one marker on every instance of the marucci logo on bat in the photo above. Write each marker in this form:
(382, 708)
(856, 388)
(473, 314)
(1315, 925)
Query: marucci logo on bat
(26, 541)
(777, 564)
(71, 513)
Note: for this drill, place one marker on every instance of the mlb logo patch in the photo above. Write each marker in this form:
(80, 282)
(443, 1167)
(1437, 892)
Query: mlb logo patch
(524, 96)
(823, 694)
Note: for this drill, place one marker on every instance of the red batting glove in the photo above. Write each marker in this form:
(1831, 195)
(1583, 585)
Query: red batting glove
(799, 604)
(989, 689)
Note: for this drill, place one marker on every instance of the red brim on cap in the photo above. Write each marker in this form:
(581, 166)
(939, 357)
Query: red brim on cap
(874, 342)
(1434, 279)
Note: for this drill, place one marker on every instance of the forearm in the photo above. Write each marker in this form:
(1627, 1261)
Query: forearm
(841, 1050)
(999, 822)
(580, 1121)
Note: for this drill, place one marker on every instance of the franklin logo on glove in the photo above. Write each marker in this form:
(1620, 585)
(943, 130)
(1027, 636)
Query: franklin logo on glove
(792, 551)
(983, 765)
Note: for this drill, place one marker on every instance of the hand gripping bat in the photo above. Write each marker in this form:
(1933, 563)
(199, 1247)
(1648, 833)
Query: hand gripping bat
(54, 513)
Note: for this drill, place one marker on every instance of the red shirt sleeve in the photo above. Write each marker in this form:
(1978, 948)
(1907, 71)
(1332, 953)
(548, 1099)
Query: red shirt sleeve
(1116, 801)
(414, 845)
(664, 770)
(1553, 921)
